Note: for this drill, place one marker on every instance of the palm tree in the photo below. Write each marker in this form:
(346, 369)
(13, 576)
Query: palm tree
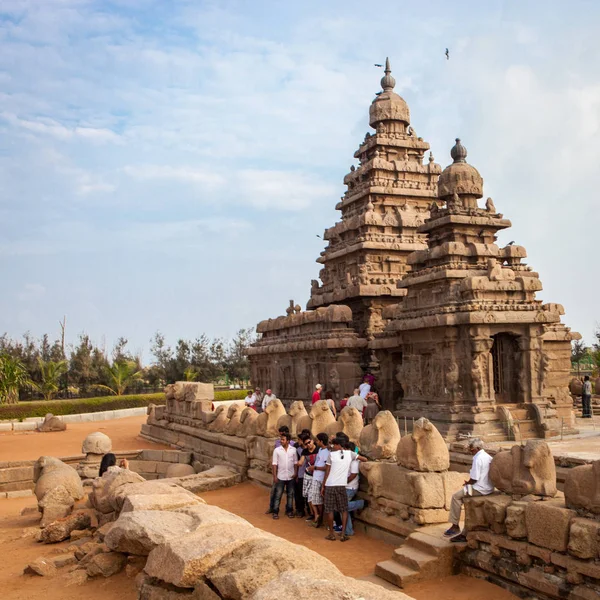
(50, 372)
(13, 377)
(121, 375)
(190, 374)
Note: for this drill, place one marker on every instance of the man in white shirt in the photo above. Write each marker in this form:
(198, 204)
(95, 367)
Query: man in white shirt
(334, 487)
(352, 489)
(364, 388)
(315, 496)
(479, 484)
(284, 474)
(269, 395)
(357, 401)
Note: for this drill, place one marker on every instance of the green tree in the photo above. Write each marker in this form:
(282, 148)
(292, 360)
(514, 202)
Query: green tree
(578, 352)
(120, 375)
(51, 372)
(13, 377)
(237, 365)
(190, 374)
(87, 364)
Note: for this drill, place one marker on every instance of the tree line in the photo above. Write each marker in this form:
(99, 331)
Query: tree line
(45, 368)
(586, 358)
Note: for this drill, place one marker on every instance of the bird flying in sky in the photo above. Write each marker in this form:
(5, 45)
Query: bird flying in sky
(380, 66)
(447, 54)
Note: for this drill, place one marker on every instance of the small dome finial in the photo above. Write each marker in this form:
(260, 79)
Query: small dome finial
(458, 152)
(387, 81)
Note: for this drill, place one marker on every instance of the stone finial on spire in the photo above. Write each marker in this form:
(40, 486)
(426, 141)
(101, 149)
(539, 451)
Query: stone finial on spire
(458, 152)
(387, 81)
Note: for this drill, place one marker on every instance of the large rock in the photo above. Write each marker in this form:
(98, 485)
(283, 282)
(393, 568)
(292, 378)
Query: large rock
(106, 486)
(147, 488)
(303, 584)
(582, 488)
(548, 525)
(424, 449)
(380, 439)
(106, 564)
(52, 423)
(134, 502)
(96, 443)
(207, 514)
(61, 529)
(43, 566)
(184, 561)
(257, 562)
(50, 472)
(56, 504)
(150, 589)
(141, 531)
(524, 470)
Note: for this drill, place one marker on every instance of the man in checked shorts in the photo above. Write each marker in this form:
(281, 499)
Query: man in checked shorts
(334, 486)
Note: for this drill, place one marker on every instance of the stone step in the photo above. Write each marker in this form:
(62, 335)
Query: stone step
(413, 558)
(396, 573)
(428, 543)
(520, 414)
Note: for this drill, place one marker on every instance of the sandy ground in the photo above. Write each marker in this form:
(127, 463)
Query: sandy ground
(30, 445)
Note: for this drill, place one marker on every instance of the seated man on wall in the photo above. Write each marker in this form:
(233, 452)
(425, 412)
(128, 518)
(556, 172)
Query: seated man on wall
(479, 484)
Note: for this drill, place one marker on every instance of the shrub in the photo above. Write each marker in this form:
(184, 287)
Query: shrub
(24, 410)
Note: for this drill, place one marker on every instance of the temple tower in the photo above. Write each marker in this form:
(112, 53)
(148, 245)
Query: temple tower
(387, 198)
(470, 347)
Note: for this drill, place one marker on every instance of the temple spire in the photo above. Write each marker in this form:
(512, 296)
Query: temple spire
(387, 81)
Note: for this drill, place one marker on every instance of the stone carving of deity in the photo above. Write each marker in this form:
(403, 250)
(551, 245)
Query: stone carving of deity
(478, 376)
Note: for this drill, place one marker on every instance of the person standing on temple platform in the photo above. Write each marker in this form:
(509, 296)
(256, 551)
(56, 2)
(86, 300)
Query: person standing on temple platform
(257, 399)
(331, 403)
(269, 395)
(284, 476)
(365, 387)
(317, 393)
(586, 398)
(373, 407)
(316, 492)
(344, 401)
(250, 400)
(307, 460)
(358, 402)
(334, 486)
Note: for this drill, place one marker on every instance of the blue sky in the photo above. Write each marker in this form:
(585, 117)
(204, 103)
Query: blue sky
(168, 165)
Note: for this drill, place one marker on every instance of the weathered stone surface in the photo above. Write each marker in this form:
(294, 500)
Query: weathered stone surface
(135, 502)
(233, 419)
(61, 529)
(548, 525)
(266, 424)
(523, 470)
(296, 418)
(582, 488)
(247, 423)
(106, 564)
(424, 449)
(106, 486)
(135, 565)
(515, 522)
(55, 504)
(41, 566)
(149, 589)
(350, 421)
(494, 508)
(50, 472)
(218, 420)
(255, 563)
(380, 439)
(185, 560)
(140, 531)
(64, 560)
(96, 443)
(303, 584)
(52, 423)
(322, 418)
(180, 470)
(75, 578)
(147, 488)
(584, 538)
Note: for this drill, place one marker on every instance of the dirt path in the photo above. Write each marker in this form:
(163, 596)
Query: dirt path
(30, 445)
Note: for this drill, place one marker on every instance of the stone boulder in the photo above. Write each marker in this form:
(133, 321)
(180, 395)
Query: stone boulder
(106, 564)
(104, 487)
(575, 386)
(179, 470)
(141, 531)
(118, 496)
(524, 470)
(297, 418)
(134, 502)
(424, 449)
(233, 415)
(51, 423)
(582, 488)
(61, 529)
(266, 424)
(57, 487)
(247, 422)
(322, 418)
(257, 562)
(380, 439)
(219, 419)
(304, 584)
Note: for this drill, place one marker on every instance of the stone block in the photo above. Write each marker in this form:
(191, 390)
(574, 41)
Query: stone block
(171, 456)
(150, 476)
(584, 538)
(573, 565)
(494, 508)
(453, 481)
(185, 458)
(106, 564)
(6, 427)
(161, 467)
(180, 470)
(143, 466)
(162, 502)
(20, 493)
(31, 426)
(548, 525)
(237, 457)
(153, 455)
(16, 474)
(516, 526)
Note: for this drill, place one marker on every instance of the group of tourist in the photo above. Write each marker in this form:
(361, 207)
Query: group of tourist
(320, 477)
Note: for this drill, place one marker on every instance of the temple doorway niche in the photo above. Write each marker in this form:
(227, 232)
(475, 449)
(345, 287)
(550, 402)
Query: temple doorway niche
(506, 364)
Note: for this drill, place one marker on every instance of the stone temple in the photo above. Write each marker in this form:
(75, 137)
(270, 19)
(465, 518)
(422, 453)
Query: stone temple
(414, 289)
